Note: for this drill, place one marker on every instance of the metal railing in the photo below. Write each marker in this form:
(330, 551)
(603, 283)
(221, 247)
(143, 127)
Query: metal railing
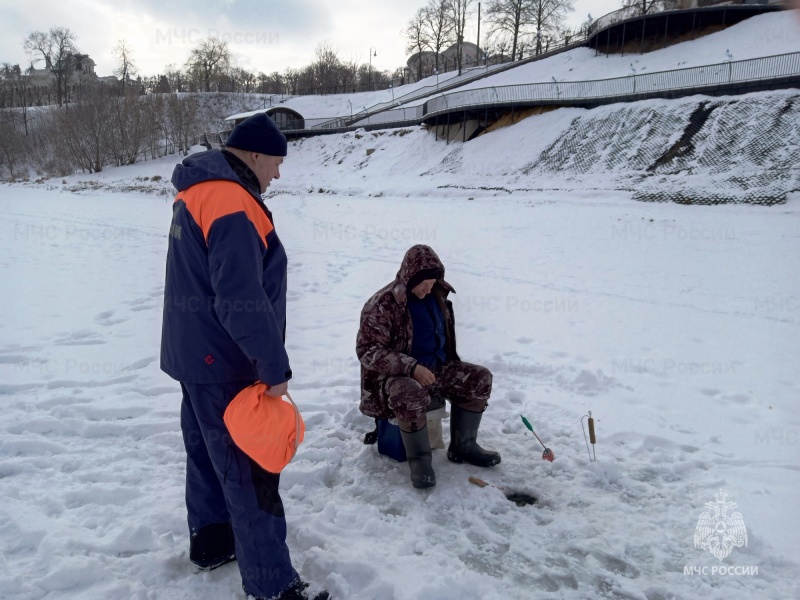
(727, 73)
(367, 116)
(570, 92)
(660, 6)
(408, 114)
(468, 75)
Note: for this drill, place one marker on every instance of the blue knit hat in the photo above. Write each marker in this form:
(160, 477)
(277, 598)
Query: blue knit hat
(258, 134)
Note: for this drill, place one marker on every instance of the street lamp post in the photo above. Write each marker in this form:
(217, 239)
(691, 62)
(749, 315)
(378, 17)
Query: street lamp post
(729, 60)
(372, 52)
(558, 90)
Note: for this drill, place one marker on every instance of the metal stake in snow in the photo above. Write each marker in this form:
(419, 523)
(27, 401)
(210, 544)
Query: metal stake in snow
(547, 454)
(592, 437)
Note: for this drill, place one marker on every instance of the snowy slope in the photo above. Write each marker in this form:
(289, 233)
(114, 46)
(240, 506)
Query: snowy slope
(334, 105)
(697, 149)
(763, 35)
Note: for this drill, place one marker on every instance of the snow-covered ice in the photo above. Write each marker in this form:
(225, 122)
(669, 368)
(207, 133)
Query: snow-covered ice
(676, 326)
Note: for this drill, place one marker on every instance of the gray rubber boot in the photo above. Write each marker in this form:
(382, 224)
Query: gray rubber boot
(418, 452)
(464, 426)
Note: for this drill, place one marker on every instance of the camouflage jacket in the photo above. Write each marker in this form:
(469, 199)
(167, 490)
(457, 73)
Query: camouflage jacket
(384, 337)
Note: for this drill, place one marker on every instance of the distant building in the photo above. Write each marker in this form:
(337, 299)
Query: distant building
(284, 117)
(42, 82)
(469, 55)
(424, 63)
(81, 66)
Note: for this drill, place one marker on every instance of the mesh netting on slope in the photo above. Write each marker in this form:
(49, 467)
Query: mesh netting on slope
(691, 151)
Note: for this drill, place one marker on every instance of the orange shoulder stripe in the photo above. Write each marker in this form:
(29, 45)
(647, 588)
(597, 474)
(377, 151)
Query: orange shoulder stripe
(211, 200)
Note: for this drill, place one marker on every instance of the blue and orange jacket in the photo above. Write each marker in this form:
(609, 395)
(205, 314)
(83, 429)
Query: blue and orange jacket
(225, 291)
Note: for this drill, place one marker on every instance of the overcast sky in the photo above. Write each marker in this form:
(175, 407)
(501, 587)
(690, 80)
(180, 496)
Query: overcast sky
(263, 35)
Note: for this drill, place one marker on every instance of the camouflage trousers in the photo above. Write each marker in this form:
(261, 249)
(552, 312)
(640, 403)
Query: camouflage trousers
(465, 385)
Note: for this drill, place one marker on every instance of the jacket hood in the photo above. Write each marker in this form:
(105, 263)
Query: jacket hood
(417, 258)
(210, 165)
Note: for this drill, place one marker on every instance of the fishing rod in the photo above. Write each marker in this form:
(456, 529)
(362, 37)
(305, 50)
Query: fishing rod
(547, 454)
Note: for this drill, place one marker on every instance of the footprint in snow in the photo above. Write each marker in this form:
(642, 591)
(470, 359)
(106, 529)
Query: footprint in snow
(104, 319)
(143, 307)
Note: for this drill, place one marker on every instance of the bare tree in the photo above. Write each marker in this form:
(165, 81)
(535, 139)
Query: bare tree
(292, 80)
(42, 150)
(586, 25)
(126, 67)
(176, 79)
(23, 83)
(307, 80)
(183, 114)
(348, 75)
(416, 38)
(154, 112)
(458, 10)
(15, 90)
(8, 91)
(548, 17)
(438, 28)
(511, 17)
(271, 84)
(57, 48)
(643, 7)
(208, 60)
(501, 48)
(568, 34)
(242, 80)
(9, 142)
(324, 70)
(81, 132)
(127, 129)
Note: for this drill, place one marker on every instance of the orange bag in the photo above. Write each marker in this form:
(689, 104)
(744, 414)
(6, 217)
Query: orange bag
(266, 428)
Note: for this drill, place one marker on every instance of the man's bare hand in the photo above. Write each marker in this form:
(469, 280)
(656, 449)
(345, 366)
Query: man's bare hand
(423, 376)
(278, 390)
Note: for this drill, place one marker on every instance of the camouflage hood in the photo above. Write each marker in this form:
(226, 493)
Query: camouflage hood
(417, 258)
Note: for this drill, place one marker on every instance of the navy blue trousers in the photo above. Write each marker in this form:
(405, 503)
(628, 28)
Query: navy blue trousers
(223, 485)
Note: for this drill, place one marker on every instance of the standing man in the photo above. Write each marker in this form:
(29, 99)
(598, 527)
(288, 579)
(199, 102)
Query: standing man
(407, 348)
(224, 327)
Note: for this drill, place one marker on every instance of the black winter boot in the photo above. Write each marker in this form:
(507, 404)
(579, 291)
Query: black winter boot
(212, 546)
(418, 452)
(464, 426)
(296, 591)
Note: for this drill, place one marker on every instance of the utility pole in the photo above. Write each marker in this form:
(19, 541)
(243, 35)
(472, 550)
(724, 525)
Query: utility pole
(478, 41)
